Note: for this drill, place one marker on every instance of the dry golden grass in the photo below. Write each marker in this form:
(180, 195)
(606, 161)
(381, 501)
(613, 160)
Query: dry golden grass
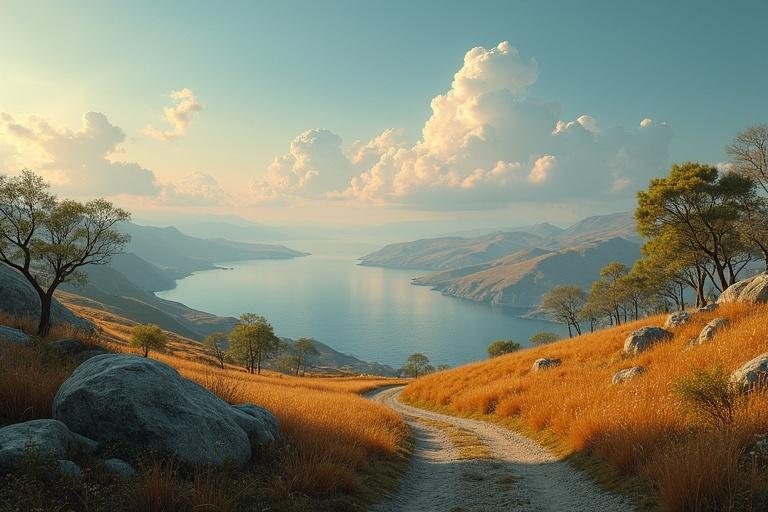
(639, 427)
(469, 446)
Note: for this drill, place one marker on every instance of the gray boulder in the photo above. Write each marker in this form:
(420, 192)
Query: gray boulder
(752, 374)
(140, 404)
(265, 427)
(644, 338)
(119, 468)
(627, 374)
(8, 334)
(709, 330)
(70, 470)
(75, 349)
(753, 290)
(677, 319)
(48, 439)
(544, 364)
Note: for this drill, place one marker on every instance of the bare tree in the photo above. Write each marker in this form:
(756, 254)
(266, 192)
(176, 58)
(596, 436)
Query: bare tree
(49, 240)
(749, 151)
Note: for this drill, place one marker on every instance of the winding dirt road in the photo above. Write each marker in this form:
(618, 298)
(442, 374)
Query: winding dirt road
(521, 475)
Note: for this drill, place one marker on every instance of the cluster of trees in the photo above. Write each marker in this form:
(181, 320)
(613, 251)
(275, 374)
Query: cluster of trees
(417, 365)
(703, 228)
(253, 342)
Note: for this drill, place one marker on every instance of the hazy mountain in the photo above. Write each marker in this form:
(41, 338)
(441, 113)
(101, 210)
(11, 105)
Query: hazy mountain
(600, 227)
(543, 230)
(450, 252)
(170, 249)
(520, 279)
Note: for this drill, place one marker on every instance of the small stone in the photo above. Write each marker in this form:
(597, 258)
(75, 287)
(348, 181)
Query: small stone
(677, 319)
(544, 364)
(70, 470)
(627, 374)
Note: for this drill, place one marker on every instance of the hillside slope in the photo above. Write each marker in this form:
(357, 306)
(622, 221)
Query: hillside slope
(642, 437)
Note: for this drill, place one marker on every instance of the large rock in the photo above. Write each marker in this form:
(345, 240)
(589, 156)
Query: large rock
(140, 404)
(753, 290)
(71, 348)
(544, 364)
(644, 338)
(627, 374)
(752, 374)
(49, 439)
(8, 334)
(677, 319)
(709, 330)
(265, 427)
(119, 468)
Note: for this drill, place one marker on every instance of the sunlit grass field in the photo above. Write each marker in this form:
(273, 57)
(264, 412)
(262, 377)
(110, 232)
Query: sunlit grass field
(639, 429)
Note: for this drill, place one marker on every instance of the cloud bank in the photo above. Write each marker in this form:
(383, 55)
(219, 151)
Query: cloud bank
(487, 143)
(180, 115)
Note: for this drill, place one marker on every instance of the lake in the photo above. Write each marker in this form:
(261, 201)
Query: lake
(372, 313)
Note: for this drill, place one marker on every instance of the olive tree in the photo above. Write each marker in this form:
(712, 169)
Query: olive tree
(252, 341)
(48, 240)
(148, 337)
(501, 347)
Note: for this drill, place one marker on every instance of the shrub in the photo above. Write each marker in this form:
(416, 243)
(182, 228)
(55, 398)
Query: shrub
(501, 347)
(708, 394)
(540, 338)
(148, 337)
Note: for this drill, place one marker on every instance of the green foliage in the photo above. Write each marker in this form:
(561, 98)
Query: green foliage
(540, 338)
(252, 341)
(563, 304)
(443, 367)
(501, 347)
(148, 337)
(417, 365)
(708, 394)
(303, 350)
(49, 240)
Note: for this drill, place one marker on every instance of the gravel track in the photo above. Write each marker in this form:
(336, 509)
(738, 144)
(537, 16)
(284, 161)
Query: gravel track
(521, 476)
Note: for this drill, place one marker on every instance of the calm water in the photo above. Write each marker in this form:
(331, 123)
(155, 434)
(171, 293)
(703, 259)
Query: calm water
(372, 313)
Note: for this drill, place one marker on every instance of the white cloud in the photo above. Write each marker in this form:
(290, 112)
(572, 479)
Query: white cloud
(179, 115)
(79, 162)
(195, 189)
(487, 143)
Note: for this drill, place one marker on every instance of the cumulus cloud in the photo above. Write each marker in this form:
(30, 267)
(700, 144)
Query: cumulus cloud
(195, 189)
(180, 115)
(487, 143)
(79, 161)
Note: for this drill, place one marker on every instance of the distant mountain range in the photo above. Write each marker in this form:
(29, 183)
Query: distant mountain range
(515, 268)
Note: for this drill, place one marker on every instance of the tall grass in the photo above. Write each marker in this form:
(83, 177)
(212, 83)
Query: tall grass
(639, 427)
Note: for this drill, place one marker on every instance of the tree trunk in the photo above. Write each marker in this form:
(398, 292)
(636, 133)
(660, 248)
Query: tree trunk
(570, 334)
(146, 350)
(258, 364)
(44, 326)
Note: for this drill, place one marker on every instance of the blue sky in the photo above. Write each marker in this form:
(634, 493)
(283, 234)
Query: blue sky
(265, 72)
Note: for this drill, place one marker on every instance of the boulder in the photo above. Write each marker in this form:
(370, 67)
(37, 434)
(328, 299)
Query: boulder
(753, 290)
(76, 349)
(8, 334)
(709, 330)
(49, 439)
(139, 404)
(543, 364)
(265, 427)
(119, 468)
(752, 374)
(644, 338)
(677, 319)
(70, 470)
(627, 374)
(708, 308)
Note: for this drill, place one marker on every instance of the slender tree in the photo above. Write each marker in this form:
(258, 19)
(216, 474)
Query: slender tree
(417, 364)
(215, 343)
(303, 351)
(749, 151)
(563, 304)
(252, 341)
(49, 240)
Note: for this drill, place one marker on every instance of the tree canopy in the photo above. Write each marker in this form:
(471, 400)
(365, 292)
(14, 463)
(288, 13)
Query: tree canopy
(501, 347)
(252, 341)
(148, 337)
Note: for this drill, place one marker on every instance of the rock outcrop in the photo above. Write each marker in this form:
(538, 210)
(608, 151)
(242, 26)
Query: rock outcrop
(644, 338)
(49, 439)
(77, 350)
(752, 374)
(709, 330)
(753, 290)
(141, 404)
(627, 374)
(544, 364)
(677, 319)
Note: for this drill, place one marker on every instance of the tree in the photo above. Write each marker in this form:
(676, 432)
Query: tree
(215, 343)
(501, 347)
(49, 240)
(753, 227)
(303, 350)
(541, 338)
(702, 206)
(148, 337)
(749, 151)
(252, 341)
(443, 367)
(417, 364)
(563, 304)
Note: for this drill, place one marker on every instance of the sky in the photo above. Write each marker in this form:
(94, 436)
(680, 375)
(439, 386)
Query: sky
(361, 112)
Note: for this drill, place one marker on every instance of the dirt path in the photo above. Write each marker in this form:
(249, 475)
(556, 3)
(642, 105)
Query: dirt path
(520, 476)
